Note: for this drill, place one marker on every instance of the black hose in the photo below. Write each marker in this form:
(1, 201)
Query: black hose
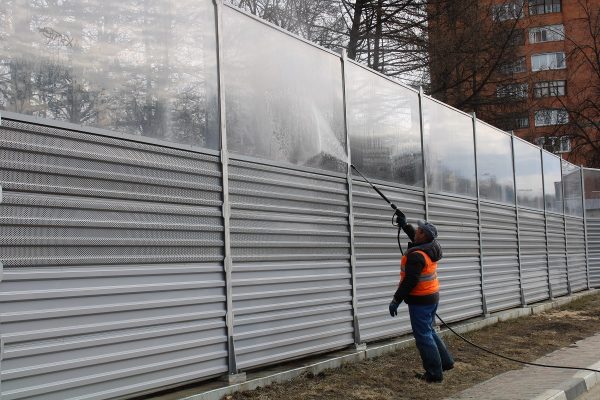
(399, 243)
(510, 358)
(395, 223)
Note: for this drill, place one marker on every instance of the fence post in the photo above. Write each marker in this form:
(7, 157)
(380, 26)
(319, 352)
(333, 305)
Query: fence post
(424, 158)
(226, 207)
(562, 185)
(550, 294)
(587, 263)
(356, 324)
(479, 225)
(512, 147)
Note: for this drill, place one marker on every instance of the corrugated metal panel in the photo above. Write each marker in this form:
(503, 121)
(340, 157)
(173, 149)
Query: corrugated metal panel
(500, 257)
(378, 256)
(113, 278)
(459, 271)
(557, 255)
(576, 254)
(291, 263)
(534, 257)
(1, 328)
(593, 229)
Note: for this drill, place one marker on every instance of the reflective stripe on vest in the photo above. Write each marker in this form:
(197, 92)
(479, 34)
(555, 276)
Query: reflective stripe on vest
(428, 281)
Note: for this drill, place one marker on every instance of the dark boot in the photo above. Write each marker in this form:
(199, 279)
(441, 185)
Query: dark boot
(425, 376)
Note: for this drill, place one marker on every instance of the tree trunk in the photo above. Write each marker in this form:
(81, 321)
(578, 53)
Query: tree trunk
(378, 49)
(355, 29)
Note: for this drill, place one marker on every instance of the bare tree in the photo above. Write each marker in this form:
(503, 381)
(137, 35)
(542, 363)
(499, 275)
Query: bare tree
(319, 21)
(474, 63)
(449, 46)
(389, 37)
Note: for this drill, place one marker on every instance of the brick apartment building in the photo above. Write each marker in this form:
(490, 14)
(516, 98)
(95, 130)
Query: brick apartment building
(547, 90)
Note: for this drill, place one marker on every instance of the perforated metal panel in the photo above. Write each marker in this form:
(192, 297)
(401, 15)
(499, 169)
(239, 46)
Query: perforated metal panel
(593, 230)
(459, 272)
(500, 257)
(291, 263)
(534, 256)
(557, 255)
(113, 265)
(576, 253)
(378, 256)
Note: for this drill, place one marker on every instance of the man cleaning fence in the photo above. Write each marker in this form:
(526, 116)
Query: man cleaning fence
(419, 289)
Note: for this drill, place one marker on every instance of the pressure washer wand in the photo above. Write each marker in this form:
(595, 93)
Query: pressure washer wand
(397, 212)
(375, 188)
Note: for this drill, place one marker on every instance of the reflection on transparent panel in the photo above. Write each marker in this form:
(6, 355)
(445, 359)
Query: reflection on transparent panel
(552, 182)
(449, 149)
(143, 68)
(572, 189)
(284, 97)
(528, 170)
(383, 124)
(494, 161)
(592, 192)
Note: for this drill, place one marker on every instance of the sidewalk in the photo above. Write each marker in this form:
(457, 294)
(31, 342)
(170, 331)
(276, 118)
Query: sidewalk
(538, 383)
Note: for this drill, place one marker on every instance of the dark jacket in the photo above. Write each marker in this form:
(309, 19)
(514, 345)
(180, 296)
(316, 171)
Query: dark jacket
(415, 262)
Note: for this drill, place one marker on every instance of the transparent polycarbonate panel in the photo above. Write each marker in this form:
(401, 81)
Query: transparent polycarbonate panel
(552, 182)
(449, 149)
(284, 97)
(528, 170)
(140, 67)
(572, 189)
(383, 123)
(592, 192)
(494, 161)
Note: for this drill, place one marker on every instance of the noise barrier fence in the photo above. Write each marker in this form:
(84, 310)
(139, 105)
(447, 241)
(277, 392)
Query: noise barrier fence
(178, 204)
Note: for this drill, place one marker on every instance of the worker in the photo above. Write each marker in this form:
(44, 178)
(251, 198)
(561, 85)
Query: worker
(419, 289)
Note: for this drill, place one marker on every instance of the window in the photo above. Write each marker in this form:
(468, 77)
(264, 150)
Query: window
(565, 144)
(511, 123)
(515, 90)
(508, 10)
(543, 6)
(551, 117)
(548, 61)
(548, 33)
(554, 144)
(549, 89)
(522, 122)
(514, 67)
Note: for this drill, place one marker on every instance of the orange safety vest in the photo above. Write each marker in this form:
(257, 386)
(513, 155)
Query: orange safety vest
(428, 280)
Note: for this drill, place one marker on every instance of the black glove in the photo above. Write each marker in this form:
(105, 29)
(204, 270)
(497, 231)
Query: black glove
(394, 308)
(400, 218)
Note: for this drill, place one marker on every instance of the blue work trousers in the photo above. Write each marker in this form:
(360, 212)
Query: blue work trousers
(432, 349)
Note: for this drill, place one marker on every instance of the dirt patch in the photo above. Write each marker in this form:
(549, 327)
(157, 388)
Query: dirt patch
(571, 314)
(392, 376)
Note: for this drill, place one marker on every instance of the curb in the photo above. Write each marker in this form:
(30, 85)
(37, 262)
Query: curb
(579, 382)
